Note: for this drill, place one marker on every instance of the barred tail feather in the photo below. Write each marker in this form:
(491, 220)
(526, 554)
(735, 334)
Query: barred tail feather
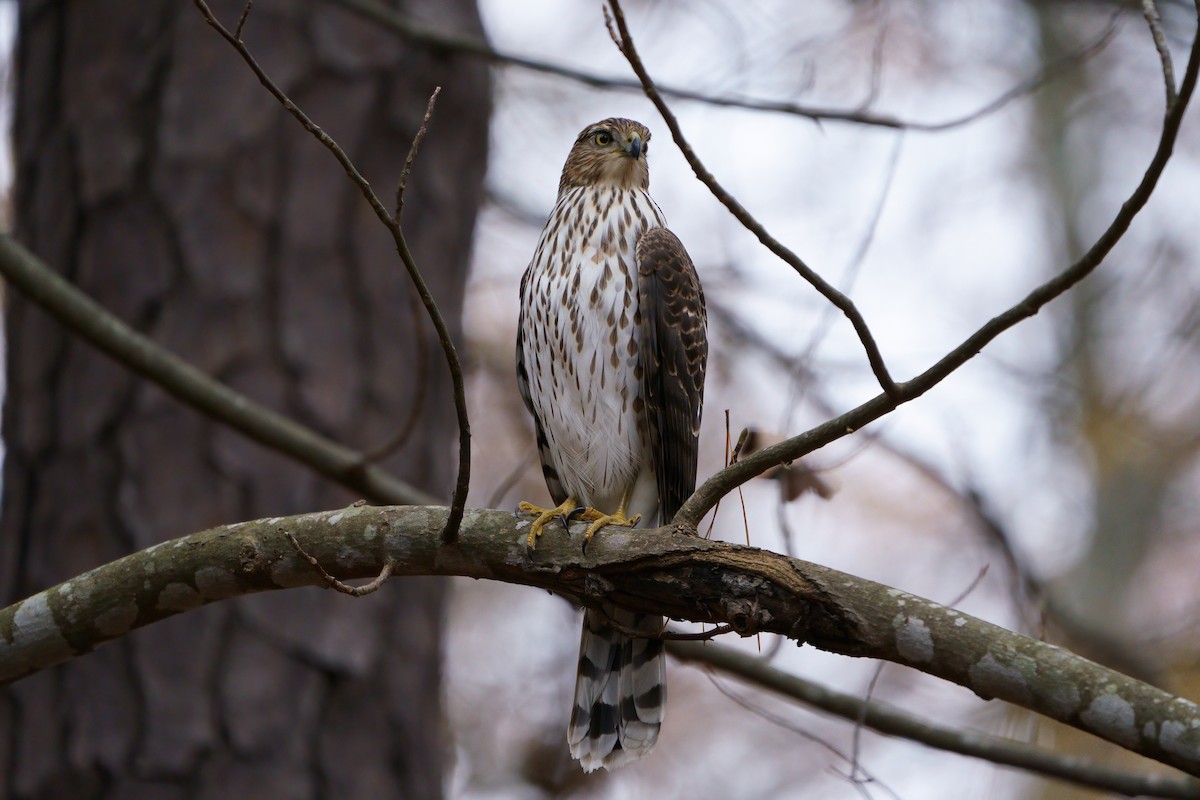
(620, 691)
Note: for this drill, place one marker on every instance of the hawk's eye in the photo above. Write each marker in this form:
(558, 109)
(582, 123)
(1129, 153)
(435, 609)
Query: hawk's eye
(604, 138)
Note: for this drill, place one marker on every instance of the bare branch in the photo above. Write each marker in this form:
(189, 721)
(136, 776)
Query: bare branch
(1051, 71)
(625, 43)
(421, 379)
(412, 151)
(791, 449)
(1150, 12)
(79, 313)
(1096, 643)
(662, 635)
(391, 20)
(458, 502)
(417, 400)
(850, 273)
(656, 571)
(334, 583)
(237, 32)
(887, 719)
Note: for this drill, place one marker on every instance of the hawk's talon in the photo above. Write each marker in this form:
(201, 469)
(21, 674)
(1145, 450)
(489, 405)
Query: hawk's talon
(604, 520)
(582, 512)
(568, 510)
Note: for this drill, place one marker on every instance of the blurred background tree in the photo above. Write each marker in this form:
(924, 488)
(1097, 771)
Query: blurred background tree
(155, 172)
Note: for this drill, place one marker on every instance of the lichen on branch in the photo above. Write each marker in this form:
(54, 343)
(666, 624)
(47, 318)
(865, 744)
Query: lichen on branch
(661, 571)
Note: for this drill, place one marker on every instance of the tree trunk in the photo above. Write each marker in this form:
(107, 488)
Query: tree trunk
(160, 177)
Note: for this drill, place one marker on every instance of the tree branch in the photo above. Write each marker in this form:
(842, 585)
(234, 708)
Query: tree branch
(1150, 12)
(886, 719)
(747, 589)
(86, 318)
(421, 378)
(404, 27)
(659, 571)
(625, 43)
(79, 313)
(727, 479)
(392, 223)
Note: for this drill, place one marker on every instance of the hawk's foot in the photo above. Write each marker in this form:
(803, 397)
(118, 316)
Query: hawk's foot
(565, 512)
(600, 520)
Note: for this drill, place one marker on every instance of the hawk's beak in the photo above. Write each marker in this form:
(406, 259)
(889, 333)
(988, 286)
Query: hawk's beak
(634, 148)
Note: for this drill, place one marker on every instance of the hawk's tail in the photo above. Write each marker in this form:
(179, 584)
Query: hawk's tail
(620, 691)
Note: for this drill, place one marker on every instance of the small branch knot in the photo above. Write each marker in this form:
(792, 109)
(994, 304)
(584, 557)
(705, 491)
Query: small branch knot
(248, 558)
(746, 616)
(596, 587)
(686, 528)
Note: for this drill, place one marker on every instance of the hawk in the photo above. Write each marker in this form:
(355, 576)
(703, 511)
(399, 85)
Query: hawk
(611, 353)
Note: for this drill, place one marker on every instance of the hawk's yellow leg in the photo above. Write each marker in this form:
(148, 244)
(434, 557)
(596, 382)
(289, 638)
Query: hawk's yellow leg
(570, 509)
(600, 520)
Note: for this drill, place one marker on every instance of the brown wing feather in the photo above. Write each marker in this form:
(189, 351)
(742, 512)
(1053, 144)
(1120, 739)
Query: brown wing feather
(674, 354)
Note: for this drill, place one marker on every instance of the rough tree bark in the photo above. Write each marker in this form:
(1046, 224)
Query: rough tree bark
(156, 174)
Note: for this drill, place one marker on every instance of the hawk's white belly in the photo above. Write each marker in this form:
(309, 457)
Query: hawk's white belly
(585, 379)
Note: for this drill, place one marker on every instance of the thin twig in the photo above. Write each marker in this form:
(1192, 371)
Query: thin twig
(1033, 83)
(412, 151)
(510, 480)
(237, 32)
(860, 723)
(850, 273)
(971, 587)
(702, 636)
(102, 329)
(624, 42)
(663, 635)
(764, 713)
(391, 20)
(712, 521)
(877, 51)
(421, 379)
(458, 502)
(879, 668)
(832, 430)
(891, 721)
(334, 583)
(1026, 589)
(1150, 12)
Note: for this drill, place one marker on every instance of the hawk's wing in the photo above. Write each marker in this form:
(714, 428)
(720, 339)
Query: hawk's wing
(558, 493)
(673, 354)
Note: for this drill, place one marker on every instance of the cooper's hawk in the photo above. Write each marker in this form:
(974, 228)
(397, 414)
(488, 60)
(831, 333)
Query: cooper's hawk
(611, 352)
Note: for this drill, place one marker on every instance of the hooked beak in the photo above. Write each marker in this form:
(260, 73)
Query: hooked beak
(634, 148)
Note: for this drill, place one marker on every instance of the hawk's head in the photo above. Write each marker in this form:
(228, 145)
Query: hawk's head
(608, 153)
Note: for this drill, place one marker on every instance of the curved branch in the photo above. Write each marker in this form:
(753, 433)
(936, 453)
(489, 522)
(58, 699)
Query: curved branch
(404, 27)
(1150, 12)
(887, 719)
(625, 43)
(659, 571)
(731, 477)
(87, 318)
(392, 223)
